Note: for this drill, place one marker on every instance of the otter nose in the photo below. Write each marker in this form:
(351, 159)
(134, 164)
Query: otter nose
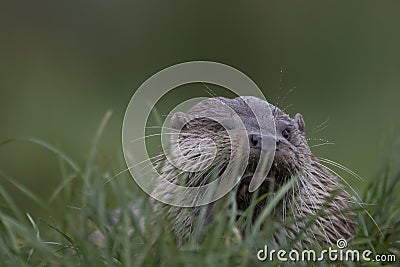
(255, 141)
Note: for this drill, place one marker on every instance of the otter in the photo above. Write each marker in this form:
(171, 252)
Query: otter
(316, 190)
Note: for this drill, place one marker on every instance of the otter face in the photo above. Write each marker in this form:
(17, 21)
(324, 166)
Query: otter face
(197, 130)
(225, 122)
(292, 150)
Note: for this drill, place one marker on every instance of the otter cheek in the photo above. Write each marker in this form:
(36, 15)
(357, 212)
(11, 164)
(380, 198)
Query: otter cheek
(281, 149)
(280, 157)
(297, 142)
(279, 153)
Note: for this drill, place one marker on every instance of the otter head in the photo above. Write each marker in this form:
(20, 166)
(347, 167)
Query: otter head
(210, 130)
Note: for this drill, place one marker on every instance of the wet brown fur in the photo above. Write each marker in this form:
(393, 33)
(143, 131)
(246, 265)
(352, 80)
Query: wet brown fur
(317, 189)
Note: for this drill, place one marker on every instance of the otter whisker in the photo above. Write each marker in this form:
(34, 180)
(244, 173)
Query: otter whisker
(288, 106)
(130, 167)
(336, 165)
(160, 127)
(279, 100)
(319, 127)
(340, 166)
(157, 134)
(358, 198)
(209, 90)
(194, 181)
(142, 171)
(318, 139)
(341, 178)
(321, 144)
(294, 213)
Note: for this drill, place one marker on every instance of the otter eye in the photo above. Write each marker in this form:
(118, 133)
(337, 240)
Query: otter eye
(285, 134)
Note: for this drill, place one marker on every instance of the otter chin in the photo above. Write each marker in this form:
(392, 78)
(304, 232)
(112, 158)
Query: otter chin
(317, 189)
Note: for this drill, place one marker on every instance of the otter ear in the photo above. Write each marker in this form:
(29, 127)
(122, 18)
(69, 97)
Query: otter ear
(178, 120)
(300, 122)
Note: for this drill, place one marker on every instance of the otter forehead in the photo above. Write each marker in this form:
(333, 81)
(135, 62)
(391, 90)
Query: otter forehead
(217, 107)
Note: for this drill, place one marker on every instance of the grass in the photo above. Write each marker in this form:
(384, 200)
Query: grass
(87, 195)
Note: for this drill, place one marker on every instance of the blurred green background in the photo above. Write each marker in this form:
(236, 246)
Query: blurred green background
(63, 64)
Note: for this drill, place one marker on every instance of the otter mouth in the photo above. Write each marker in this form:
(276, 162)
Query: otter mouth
(244, 196)
(245, 181)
